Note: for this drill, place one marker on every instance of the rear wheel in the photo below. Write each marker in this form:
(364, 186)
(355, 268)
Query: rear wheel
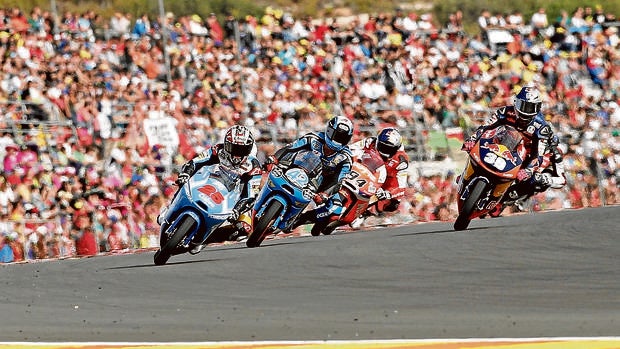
(163, 254)
(263, 224)
(331, 227)
(317, 228)
(325, 228)
(462, 221)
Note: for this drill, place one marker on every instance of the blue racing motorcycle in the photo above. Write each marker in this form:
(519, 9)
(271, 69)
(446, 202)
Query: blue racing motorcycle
(289, 188)
(199, 209)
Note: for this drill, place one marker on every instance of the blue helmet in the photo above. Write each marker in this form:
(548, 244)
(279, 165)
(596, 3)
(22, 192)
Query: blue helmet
(338, 133)
(527, 105)
(388, 141)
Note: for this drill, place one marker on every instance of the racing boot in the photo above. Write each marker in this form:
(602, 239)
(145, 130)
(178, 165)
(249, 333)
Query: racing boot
(197, 249)
(161, 215)
(243, 228)
(358, 222)
(520, 205)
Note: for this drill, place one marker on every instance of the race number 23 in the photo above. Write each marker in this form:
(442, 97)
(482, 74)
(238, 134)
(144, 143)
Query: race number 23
(210, 191)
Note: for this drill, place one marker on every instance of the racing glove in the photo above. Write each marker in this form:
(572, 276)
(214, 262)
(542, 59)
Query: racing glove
(524, 174)
(320, 198)
(383, 194)
(188, 167)
(468, 145)
(234, 215)
(182, 179)
(250, 174)
(543, 179)
(187, 170)
(270, 162)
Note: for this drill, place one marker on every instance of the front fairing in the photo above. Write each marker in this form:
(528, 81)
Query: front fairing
(307, 160)
(293, 182)
(496, 159)
(361, 181)
(216, 189)
(208, 197)
(500, 151)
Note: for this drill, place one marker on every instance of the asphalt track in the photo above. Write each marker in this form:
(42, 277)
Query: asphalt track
(527, 278)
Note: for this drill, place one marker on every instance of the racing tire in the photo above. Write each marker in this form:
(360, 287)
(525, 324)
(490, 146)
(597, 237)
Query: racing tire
(261, 228)
(325, 229)
(462, 221)
(163, 254)
(331, 227)
(317, 228)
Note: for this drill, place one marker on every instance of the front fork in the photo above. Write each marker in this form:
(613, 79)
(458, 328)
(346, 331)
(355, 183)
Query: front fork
(492, 197)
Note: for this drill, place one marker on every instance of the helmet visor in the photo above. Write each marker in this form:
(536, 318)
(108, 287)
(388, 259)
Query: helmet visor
(527, 108)
(241, 150)
(386, 150)
(341, 135)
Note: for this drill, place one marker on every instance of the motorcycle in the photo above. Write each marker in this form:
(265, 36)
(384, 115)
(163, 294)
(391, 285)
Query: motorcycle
(289, 188)
(491, 169)
(200, 208)
(358, 190)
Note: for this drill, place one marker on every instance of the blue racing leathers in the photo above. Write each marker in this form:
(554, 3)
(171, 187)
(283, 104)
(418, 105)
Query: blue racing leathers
(336, 166)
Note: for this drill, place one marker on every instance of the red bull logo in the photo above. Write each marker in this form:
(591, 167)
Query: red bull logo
(500, 150)
(507, 154)
(493, 147)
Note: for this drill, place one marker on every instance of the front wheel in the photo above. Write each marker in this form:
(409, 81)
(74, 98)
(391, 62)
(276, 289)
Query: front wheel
(462, 221)
(264, 223)
(163, 254)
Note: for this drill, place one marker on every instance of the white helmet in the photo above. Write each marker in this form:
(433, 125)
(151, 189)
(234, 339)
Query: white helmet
(238, 144)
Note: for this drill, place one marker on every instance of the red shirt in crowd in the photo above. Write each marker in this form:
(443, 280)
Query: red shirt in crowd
(87, 244)
(115, 241)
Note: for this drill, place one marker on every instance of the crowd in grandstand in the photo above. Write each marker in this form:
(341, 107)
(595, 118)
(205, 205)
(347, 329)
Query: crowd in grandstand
(94, 125)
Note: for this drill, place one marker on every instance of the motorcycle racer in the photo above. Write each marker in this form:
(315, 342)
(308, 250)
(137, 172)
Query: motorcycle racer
(389, 144)
(332, 144)
(526, 117)
(235, 153)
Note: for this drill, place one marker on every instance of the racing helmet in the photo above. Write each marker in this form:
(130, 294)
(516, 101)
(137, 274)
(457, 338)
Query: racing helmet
(238, 143)
(388, 142)
(338, 133)
(527, 105)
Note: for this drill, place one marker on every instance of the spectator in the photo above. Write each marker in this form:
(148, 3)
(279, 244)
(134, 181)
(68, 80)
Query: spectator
(119, 25)
(86, 242)
(6, 252)
(539, 20)
(17, 245)
(484, 19)
(115, 238)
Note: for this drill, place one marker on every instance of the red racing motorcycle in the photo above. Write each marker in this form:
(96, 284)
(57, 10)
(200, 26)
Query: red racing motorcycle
(491, 169)
(358, 190)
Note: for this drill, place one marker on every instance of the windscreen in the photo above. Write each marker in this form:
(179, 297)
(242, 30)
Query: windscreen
(508, 136)
(309, 160)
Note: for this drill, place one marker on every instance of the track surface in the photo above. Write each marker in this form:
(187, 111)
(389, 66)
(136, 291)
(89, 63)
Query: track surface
(554, 274)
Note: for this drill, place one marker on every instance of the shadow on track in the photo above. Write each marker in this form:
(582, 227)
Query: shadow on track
(169, 263)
